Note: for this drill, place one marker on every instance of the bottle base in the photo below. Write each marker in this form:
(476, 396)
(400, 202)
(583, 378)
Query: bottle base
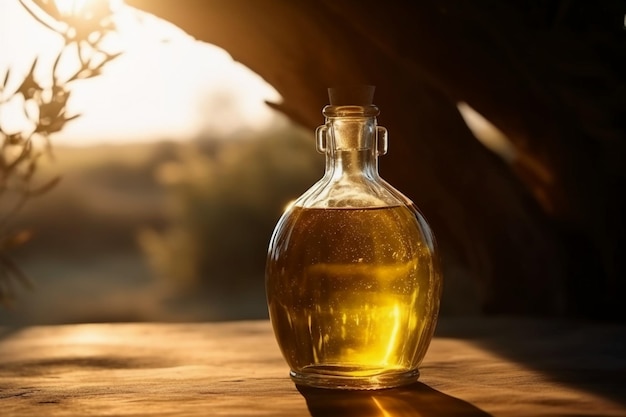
(334, 377)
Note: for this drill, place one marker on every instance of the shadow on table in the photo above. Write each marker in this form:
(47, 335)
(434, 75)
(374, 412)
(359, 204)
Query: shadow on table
(416, 400)
(5, 332)
(585, 355)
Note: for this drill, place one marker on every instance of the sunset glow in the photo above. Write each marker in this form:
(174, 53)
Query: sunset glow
(164, 86)
(72, 7)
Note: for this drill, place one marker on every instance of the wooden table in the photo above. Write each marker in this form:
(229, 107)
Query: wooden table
(475, 367)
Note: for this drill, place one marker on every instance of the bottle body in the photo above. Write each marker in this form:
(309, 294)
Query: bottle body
(352, 281)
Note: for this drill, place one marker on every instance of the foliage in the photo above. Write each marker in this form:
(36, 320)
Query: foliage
(225, 198)
(42, 108)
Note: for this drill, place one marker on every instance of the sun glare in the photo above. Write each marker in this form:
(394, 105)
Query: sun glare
(70, 7)
(165, 84)
(82, 7)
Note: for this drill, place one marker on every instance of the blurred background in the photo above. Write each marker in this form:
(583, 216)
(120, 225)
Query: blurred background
(153, 166)
(171, 178)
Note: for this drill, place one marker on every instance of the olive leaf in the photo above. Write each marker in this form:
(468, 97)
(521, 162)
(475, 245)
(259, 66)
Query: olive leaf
(30, 88)
(46, 108)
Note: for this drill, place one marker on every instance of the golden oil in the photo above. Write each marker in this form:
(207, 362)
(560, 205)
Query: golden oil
(351, 294)
(352, 277)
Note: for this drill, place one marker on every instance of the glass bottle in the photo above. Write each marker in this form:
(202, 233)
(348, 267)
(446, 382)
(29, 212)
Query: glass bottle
(352, 277)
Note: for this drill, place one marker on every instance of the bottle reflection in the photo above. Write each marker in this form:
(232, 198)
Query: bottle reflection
(416, 400)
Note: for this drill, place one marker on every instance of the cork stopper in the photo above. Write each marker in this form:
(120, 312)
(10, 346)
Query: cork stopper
(358, 95)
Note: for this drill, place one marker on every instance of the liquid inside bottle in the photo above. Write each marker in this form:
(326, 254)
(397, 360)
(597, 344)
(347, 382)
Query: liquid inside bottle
(351, 277)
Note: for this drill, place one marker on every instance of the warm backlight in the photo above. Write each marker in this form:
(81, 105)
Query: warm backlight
(85, 8)
(71, 7)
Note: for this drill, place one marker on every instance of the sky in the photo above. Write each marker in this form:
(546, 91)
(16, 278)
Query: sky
(165, 85)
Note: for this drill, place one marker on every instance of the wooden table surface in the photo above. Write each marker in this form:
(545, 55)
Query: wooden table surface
(475, 367)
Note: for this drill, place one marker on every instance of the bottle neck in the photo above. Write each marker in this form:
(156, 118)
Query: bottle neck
(351, 141)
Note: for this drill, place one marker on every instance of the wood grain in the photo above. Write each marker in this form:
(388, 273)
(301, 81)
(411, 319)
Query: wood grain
(495, 367)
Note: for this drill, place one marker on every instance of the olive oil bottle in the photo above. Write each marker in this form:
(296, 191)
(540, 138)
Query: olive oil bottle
(352, 277)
